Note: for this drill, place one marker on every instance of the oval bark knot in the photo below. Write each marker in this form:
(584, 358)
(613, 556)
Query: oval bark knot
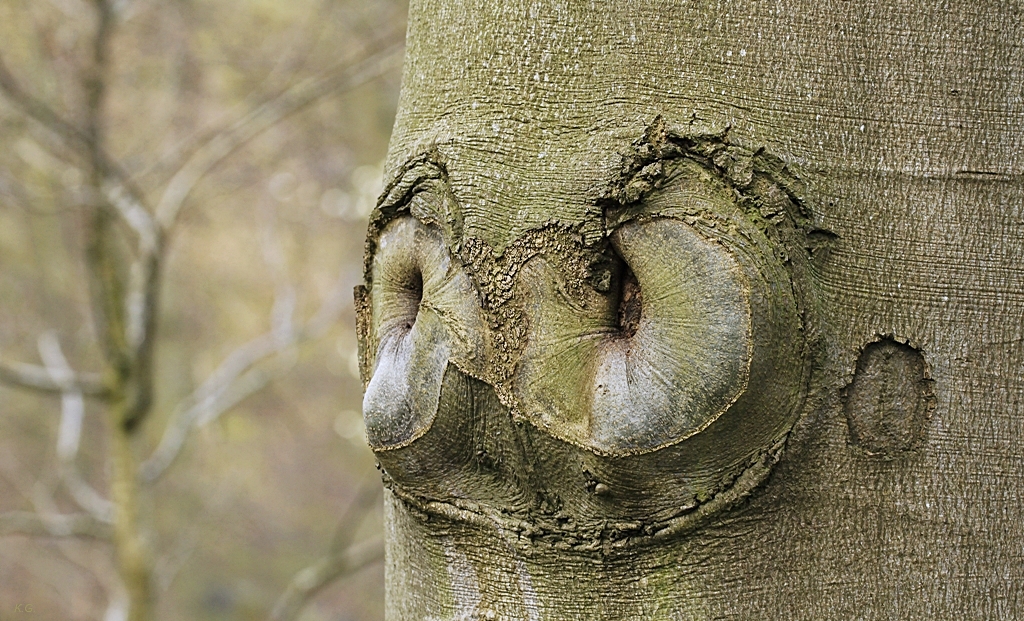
(649, 363)
(423, 314)
(890, 399)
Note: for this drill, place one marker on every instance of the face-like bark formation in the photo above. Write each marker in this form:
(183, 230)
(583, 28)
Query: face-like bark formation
(630, 250)
(591, 398)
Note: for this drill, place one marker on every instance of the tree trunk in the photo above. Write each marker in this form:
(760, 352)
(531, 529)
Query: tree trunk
(687, 310)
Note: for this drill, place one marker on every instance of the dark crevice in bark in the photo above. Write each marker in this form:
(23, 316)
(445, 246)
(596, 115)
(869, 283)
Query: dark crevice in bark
(414, 292)
(630, 309)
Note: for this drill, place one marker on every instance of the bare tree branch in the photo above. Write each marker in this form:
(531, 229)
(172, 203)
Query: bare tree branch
(104, 257)
(127, 341)
(72, 405)
(222, 144)
(210, 398)
(141, 318)
(46, 520)
(39, 379)
(53, 525)
(124, 308)
(97, 565)
(70, 135)
(144, 283)
(240, 375)
(111, 196)
(310, 581)
(23, 199)
(39, 111)
(135, 215)
(342, 559)
(69, 434)
(235, 379)
(85, 496)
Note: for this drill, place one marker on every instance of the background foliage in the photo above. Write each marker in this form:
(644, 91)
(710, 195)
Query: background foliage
(270, 236)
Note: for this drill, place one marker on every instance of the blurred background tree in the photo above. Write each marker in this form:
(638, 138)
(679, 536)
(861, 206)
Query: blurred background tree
(184, 187)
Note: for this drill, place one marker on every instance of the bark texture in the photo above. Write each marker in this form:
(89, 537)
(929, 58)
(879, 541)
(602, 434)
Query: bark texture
(840, 183)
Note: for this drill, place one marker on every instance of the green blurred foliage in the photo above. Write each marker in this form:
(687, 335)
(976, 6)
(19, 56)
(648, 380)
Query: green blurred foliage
(257, 492)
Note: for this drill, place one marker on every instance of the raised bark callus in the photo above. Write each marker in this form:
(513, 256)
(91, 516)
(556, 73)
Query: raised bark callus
(708, 309)
(424, 314)
(587, 380)
(589, 397)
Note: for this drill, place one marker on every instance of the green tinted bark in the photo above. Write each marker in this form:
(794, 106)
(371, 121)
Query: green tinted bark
(860, 164)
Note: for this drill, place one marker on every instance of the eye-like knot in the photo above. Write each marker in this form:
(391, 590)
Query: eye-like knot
(424, 315)
(653, 360)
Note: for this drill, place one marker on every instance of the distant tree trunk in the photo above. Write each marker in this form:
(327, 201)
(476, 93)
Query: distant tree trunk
(694, 310)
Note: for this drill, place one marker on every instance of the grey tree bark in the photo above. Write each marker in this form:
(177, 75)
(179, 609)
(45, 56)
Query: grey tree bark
(686, 309)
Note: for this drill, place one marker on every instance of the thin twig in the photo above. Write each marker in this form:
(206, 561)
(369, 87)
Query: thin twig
(109, 186)
(72, 406)
(239, 376)
(85, 495)
(96, 564)
(263, 117)
(308, 582)
(143, 290)
(53, 525)
(342, 559)
(207, 401)
(135, 215)
(37, 378)
(69, 433)
(142, 305)
(70, 135)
